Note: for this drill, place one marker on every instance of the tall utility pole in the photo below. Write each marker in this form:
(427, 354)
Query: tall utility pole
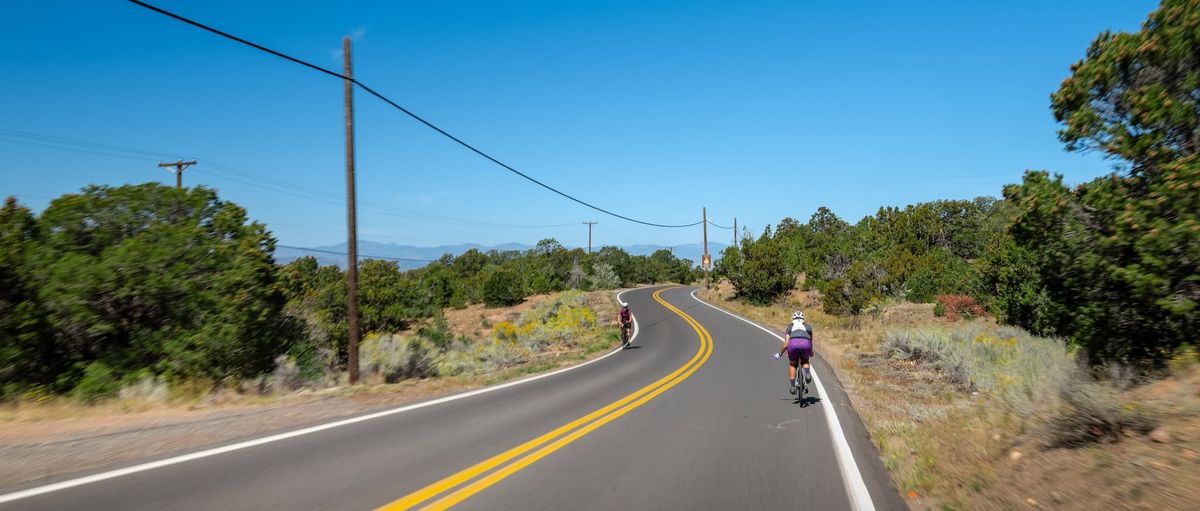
(705, 261)
(351, 220)
(735, 243)
(179, 166)
(590, 224)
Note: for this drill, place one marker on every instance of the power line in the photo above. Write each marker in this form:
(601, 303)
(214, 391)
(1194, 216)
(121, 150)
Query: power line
(95, 145)
(228, 172)
(383, 208)
(75, 149)
(361, 256)
(406, 111)
(710, 222)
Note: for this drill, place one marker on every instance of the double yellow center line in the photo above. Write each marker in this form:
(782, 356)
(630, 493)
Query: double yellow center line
(543, 445)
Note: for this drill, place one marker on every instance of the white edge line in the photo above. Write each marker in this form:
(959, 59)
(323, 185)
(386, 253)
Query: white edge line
(856, 488)
(112, 474)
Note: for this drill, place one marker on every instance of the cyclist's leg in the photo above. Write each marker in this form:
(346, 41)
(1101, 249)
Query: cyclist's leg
(793, 353)
(805, 359)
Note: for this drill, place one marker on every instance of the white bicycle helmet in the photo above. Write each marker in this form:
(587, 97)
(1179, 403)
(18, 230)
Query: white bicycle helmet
(798, 315)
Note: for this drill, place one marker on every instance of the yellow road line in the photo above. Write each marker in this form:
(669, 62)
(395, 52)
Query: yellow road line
(628, 403)
(497, 476)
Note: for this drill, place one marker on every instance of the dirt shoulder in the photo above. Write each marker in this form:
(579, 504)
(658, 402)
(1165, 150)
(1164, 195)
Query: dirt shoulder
(950, 447)
(55, 438)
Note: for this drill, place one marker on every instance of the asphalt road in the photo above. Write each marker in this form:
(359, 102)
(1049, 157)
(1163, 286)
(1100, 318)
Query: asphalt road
(696, 415)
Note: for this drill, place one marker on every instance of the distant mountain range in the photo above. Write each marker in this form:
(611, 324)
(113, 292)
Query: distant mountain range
(368, 249)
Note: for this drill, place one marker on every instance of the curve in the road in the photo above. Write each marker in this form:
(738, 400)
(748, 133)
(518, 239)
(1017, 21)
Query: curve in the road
(724, 439)
(560, 436)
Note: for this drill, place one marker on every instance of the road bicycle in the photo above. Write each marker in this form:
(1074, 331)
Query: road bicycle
(626, 333)
(799, 387)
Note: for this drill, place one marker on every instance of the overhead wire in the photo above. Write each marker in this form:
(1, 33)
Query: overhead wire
(719, 227)
(83, 143)
(79, 150)
(237, 175)
(404, 110)
(361, 256)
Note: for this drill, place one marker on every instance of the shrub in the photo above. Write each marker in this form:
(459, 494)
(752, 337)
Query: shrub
(1185, 358)
(437, 332)
(1033, 377)
(1092, 412)
(504, 331)
(98, 382)
(577, 278)
(563, 320)
(461, 361)
(482, 357)
(954, 307)
(1027, 371)
(144, 387)
(604, 277)
(859, 289)
(502, 288)
(394, 358)
(287, 375)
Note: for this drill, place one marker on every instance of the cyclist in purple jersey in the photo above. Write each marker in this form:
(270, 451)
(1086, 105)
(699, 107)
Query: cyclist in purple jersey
(625, 319)
(798, 345)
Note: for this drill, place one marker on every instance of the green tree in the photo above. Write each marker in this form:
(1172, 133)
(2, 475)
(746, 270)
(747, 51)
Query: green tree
(1034, 276)
(469, 263)
(390, 299)
(1134, 96)
(316, 300)
(764, 275)
(503, 288)
(729, 264)
(27, 353)
(148, 276)
(1113, 264)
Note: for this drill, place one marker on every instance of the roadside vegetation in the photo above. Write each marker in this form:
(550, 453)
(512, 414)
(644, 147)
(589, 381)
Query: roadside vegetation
(115, 289)
(1111, 265)
(1033, 351)
(970, 414)
(566, 323)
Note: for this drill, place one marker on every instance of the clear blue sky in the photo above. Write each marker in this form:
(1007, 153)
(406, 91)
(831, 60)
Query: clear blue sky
(759, 110)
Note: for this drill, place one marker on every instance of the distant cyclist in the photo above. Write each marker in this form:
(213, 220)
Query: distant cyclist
(625, 318)
(798, 345)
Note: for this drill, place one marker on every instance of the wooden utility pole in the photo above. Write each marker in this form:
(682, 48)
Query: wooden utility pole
(735, 243)
(705, 261)
(179, 166)
(351, 220)
(590, 224)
